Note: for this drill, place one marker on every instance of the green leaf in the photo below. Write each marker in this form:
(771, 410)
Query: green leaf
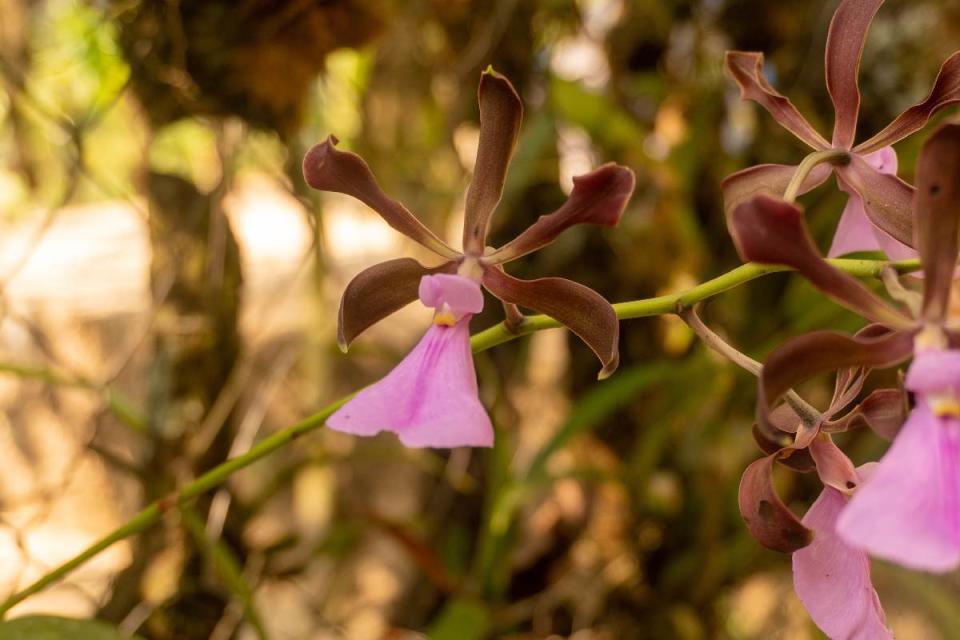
(56, 628)
(461, 620)
(603, 119)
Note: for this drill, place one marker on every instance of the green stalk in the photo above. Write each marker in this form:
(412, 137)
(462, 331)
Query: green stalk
(833, 156)
(498, 334)
(677, 302)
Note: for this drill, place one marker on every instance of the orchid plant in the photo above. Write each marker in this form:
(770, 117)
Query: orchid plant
(877, 214)
(430, 399)
(904, 508)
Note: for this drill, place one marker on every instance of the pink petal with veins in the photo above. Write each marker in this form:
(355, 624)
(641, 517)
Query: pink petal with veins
(832, 579)
(429, 400)
(909, 511)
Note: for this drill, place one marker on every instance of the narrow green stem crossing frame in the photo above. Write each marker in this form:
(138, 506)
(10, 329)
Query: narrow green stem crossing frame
(498, 334)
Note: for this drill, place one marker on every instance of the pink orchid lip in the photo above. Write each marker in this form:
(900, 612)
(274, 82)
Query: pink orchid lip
(429, 399)
(934, 371)
(883, 160)
(906, 512)
(451, 293)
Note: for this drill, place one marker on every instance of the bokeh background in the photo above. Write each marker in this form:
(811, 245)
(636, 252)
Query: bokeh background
(168, 295)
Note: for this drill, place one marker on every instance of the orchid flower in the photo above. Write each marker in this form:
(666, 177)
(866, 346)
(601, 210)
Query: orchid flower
(909, 511)
(877, 214)
(797, 435)
(831, 578)
(430, 398)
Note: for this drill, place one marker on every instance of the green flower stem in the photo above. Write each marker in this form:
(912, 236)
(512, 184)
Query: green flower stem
(677, 302)
(833, 156)
(481, 341)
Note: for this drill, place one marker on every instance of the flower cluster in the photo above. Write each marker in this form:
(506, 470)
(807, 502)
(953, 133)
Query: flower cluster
(906, 507)
(430, 399)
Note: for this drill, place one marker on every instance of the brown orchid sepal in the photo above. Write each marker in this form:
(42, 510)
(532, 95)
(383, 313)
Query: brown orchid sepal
(768, 519)
(769, 230)
(379, 291)
(883, 411)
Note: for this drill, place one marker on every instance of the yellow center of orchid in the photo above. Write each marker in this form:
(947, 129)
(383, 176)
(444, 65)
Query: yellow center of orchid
(930, 337)
(944, 405)
(444, 316)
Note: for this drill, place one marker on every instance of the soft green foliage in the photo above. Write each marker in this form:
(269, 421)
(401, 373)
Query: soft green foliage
(56, 628)
(461, 620)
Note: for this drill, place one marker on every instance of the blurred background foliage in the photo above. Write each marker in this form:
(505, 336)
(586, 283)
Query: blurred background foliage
(169, 290)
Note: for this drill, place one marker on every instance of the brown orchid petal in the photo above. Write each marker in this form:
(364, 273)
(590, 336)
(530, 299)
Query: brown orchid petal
(936, 206)
(772, 231)
(598, 197)
(326, 168)
(500, 114)
(786, 419)
(786, 425)
(796, 459)
(847, 386)
(580, 308)
(805, 435)
(771, 179)
(833, 466)
(808, 355)
(848, 32)
(945, 92)
(746, 69)
(849, 381)
(884, 411)
(769, 521)
(377, 292)
(886, 198)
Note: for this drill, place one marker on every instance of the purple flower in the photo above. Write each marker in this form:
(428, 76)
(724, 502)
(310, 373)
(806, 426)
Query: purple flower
(430, 399)
(910, 511)
(876, 194)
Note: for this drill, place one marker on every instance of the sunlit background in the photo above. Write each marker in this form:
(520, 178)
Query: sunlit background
(169, 293)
